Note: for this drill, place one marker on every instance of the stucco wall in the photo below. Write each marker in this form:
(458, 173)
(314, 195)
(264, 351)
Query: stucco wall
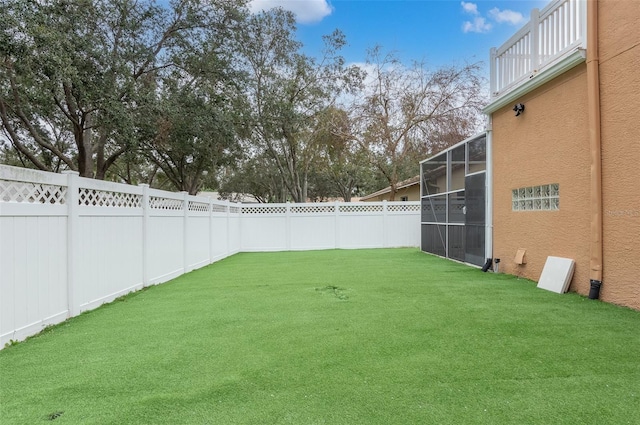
(619, 43)
(548, 143)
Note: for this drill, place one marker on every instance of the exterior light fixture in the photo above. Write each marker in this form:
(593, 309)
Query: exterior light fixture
(518, 108)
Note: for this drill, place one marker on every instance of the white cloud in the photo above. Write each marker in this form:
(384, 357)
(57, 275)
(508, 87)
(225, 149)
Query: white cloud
(470, 8)
(509, 16)
(306, 11)
(479, 24)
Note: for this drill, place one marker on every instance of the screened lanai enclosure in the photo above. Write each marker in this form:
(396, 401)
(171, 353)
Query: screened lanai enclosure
(454, 202)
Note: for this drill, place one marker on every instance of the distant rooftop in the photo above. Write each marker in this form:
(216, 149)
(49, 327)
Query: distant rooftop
(401, 185)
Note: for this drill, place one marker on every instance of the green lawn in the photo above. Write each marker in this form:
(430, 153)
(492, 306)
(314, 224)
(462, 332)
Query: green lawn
(388, 336)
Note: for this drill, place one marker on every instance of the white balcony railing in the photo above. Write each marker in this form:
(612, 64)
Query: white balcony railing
(551, 34)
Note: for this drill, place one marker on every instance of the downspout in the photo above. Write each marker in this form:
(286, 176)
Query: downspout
(488, 236)
(595, 144)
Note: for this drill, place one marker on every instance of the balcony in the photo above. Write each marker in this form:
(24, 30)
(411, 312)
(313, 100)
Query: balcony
(552, 41)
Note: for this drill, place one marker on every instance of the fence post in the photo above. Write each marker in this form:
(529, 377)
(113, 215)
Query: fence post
(145, 234)
(534, 22)
(227, 208)
(287, 225)
(239, 226)
(185, 229)
(73, 242)
(211, 230)
(384, 224)
(336, 219)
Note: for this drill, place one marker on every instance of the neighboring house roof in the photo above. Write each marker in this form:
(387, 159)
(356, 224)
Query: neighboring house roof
(401, 185)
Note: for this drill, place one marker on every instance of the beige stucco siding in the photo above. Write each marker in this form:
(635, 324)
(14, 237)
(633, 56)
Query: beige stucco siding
(619, 43)
(548, 143)
(411, 192)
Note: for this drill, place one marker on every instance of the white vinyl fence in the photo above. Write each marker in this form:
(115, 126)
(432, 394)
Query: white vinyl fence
(69, 244)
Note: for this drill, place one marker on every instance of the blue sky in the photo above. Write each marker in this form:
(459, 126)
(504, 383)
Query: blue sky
(440, 32)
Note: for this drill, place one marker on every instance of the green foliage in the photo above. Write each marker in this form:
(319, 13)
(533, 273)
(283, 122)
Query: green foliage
(287, 93)
(343, 165)
(79, 80)
(190, 133)
(257, 176)
(198, 93)
(11, 343)
(265, 338)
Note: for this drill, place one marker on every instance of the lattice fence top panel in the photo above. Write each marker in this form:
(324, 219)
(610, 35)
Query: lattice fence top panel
(360, 208)
(403, 208)
(165, 203)
(105, 198)
(32, 193)
(219, 208)
(313, 209)
(263, 209)
(198, 206)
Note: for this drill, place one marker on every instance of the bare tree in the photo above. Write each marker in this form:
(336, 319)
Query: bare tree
(405, 114)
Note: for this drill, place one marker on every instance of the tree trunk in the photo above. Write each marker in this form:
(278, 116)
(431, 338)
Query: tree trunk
(84, 136)
(305, 188)
(392, 192)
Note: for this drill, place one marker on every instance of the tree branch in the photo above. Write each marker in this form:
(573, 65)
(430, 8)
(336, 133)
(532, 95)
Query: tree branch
(32, 130)
(15, 140)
